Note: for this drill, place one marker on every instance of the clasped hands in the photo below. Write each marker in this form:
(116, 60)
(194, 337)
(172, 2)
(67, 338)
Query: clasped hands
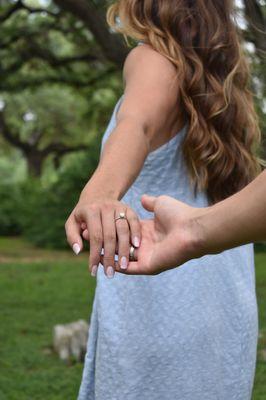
(164, 242)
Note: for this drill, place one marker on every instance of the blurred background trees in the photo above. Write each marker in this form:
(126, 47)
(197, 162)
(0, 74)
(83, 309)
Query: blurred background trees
(60, 70)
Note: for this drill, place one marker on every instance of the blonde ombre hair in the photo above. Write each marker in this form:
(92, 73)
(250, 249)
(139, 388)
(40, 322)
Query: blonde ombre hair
(200, 38)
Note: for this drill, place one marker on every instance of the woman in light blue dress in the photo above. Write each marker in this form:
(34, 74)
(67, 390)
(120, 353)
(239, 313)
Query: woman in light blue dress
(189, 333)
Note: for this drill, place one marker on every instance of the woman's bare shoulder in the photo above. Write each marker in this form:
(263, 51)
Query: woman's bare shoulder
(149, 61)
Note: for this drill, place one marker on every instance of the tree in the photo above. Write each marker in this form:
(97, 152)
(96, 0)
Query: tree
(38, 125)
(47, 54)
(255, 16)
(67, 44)
(32, 39)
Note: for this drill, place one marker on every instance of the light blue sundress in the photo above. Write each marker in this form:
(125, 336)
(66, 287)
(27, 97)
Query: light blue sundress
(189, 333)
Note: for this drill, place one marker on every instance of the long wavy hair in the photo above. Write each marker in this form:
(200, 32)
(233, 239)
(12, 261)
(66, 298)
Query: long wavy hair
(201, 39)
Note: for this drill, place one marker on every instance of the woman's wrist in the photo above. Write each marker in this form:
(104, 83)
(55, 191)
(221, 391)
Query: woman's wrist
(95, 190)
(95, 194)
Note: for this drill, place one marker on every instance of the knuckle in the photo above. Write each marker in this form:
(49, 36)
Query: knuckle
(93, 208)
(78, 211)
(124, 248)
(110, 237)
(161, 199)
(94, 259)
(96, 238)
(108, 259)
(134, 219)
(107, 205)
(123, 230)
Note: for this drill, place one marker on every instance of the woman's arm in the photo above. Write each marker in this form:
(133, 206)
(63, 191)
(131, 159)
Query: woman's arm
(148, 109)
(149, 106)
(179, 232)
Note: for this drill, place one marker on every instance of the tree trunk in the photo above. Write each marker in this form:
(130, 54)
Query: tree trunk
(34, 163)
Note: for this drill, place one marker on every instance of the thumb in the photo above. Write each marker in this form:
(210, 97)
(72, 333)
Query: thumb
(73, 235)
(148, 202)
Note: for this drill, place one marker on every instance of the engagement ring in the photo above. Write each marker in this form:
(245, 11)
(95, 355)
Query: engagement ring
(122, 215)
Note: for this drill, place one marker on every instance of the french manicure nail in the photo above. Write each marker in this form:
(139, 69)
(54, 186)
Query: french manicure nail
(76, 248)
(94, 270)
(110, 272)
(123, 264)
(136, 241)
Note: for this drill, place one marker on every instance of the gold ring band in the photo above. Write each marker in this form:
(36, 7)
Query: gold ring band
(131, 253)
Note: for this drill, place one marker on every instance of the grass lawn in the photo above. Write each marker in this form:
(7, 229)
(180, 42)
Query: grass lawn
(40, 288)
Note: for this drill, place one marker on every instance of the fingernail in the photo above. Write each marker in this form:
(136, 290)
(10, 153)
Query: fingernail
(136, 241)
(110, 272)
(76, 248)
(123, 263)
(94, 270)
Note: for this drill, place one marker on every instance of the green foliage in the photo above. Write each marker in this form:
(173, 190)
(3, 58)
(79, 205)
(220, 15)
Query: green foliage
(260, 247)
(12, 167)
(44, 213)
(38, 209)
(9, 205)
(53, 113)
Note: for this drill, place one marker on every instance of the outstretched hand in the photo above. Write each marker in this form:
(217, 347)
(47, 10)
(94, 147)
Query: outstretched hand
(168, 240)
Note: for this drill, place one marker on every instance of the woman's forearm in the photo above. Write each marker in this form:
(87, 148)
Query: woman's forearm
(238, 220)
(121, 161)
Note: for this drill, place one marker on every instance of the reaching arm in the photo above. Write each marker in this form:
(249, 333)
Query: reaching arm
(238, 220)
(149, 107)
(179, 232)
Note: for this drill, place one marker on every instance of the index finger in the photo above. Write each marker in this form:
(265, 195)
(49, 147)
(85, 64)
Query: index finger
(73, 234)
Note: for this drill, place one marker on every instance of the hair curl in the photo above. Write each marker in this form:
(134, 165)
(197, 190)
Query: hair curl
(201, 39)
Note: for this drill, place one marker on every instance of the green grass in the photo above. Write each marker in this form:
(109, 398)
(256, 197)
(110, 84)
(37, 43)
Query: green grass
(33, 298)
(55, 287)
(259, 391)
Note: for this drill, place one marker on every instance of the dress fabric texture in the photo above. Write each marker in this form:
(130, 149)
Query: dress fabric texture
(189, 333)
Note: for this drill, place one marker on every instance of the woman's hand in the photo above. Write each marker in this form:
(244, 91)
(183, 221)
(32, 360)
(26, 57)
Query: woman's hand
(98, 222)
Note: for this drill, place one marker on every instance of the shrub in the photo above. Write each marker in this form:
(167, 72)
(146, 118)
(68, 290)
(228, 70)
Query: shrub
(45, 210)
(10, 197)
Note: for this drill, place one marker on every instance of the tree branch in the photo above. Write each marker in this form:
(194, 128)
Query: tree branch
(33, 50)
(14, 140)
(19, 5)
(35, 138)
(47, 55)
(61, 149)
(112, 45)
(24, 83)
(26, 33)
(32, 10)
